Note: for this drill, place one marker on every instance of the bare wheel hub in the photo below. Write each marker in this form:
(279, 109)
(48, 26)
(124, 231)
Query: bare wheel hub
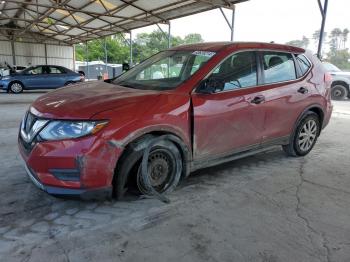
(158, 167)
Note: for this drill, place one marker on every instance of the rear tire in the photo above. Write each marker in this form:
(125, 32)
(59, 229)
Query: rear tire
(16, 87)
(305, 135)
(339, 92)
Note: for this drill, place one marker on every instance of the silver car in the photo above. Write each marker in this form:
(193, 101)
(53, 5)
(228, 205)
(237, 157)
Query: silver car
(340, 83)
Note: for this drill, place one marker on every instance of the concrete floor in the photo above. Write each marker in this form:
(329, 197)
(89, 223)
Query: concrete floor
(263, 208)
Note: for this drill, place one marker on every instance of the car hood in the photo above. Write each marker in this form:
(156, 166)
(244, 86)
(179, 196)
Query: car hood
(83, 101)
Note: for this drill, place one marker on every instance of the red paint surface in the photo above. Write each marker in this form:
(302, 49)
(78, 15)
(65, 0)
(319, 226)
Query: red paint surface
(221, 121)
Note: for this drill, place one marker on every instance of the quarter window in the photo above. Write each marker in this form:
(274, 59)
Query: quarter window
(278, 67)
(303, 63)
(237, 71)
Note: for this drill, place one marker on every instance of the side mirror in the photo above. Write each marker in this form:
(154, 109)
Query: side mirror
(209, 86)
(125, 67)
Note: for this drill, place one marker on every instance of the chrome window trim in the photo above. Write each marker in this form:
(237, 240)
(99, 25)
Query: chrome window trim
(262, 85)
(311, 64)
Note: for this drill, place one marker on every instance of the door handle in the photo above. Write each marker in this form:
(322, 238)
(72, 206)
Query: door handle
(303, 90)
(258, 100)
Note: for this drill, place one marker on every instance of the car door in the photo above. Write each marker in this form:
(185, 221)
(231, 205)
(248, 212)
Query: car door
(55, 76)
(230, 119)
(285, 95)
(32, 78)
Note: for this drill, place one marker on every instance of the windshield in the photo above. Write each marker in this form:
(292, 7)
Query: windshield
(331, 68)
(165, 70)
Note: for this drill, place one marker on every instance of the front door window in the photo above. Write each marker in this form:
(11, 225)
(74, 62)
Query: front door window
(236, 71)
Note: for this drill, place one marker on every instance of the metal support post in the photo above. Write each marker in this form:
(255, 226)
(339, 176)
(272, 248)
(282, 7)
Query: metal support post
(130, 43)
(323, 10)
(105, 42)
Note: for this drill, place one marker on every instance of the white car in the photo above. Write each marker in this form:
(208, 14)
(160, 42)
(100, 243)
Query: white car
(6, 70)
(340, 83)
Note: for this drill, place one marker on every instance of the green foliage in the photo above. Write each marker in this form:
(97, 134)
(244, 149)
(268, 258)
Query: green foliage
(303, 43)
(338, 39)
(117, 51)
(316, 37)
(340, 58)
(145, 45)
(339, 55)
(193, 38)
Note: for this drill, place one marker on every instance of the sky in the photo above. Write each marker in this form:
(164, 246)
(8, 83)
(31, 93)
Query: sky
(263, 21)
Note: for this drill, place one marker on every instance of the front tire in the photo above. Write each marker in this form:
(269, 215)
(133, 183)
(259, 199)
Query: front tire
(164, 154)
(339, 92)
(305, 135)
(16, 87)
(164, 161)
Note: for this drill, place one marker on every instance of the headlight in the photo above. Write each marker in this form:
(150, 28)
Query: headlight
(5, 78)
(57, 130)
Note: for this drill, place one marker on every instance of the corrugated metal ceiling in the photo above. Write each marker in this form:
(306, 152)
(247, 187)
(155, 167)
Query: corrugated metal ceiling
(74, 21)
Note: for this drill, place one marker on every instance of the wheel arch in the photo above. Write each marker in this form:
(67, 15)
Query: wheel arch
(135, 148)
(342, 83)
(317, 109)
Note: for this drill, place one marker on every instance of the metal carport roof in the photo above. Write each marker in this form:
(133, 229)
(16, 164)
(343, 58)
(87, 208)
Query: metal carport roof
(75, 21)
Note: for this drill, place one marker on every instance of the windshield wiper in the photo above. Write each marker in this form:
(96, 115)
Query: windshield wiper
(126, 85)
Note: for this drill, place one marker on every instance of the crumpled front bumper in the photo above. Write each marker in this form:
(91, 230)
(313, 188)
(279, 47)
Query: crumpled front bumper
(96, 193)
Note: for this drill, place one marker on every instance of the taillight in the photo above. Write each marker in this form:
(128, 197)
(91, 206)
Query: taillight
(328, 83)
(327, 78)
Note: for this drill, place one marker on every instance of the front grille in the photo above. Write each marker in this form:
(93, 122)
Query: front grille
(26, 146)
(26, 127)
(29, 122)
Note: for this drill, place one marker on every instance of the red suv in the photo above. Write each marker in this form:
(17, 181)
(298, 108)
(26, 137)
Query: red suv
(182, 109)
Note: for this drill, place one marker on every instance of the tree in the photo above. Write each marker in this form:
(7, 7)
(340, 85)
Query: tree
(193, 38)
(117, 50)
(144, 45)
(338, 53)
(340, 58)
(316, 37)
(303, 43)
(335, 39)
(344, 36)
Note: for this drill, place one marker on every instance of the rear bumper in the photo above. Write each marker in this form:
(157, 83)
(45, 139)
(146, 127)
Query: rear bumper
(96, 193)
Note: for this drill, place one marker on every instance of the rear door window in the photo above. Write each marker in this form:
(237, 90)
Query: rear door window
(278, 67)
(55, 70)
(304, 64)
